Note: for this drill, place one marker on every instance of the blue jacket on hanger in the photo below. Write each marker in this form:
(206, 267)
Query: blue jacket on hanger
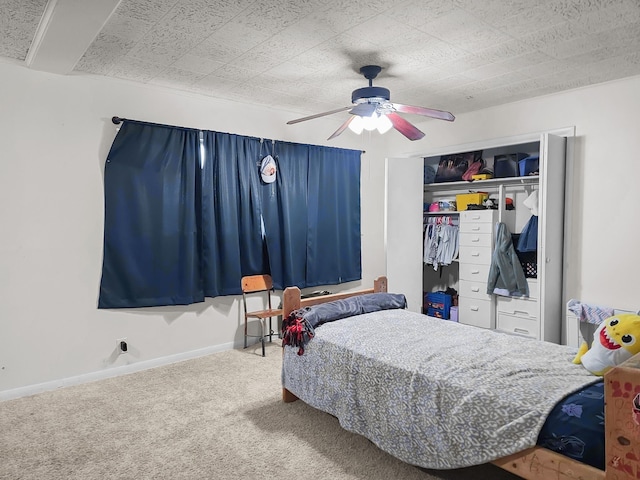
(506, 276)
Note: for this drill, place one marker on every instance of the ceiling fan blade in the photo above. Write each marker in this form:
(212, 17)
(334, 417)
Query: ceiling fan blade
(342, 128)
(318, 115)
(404, 127)
(363, 109)
(427, 112)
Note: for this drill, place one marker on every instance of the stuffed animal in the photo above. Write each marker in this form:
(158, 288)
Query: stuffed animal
(614, 341)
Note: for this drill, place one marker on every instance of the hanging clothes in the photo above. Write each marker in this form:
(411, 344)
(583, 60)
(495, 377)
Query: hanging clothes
(506, 276)
(441, 244)
(528, 240)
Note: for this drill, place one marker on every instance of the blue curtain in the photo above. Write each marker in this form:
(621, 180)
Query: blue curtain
(312, 216)
(151, 235)
(333, 241)
(232, 236)
(187, 215)
(284, 207)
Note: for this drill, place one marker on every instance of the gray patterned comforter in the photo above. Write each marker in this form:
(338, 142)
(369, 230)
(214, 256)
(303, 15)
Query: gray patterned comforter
(433, 393)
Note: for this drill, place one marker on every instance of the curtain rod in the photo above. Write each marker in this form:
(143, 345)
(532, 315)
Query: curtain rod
(119, 120)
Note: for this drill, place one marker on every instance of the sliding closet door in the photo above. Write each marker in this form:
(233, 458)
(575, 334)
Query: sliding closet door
(404, 194)
(551, 235)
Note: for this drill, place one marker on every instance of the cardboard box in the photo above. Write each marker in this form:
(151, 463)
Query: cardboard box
(465, 199)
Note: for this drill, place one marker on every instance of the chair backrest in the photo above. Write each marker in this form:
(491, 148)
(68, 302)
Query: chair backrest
(256, 283)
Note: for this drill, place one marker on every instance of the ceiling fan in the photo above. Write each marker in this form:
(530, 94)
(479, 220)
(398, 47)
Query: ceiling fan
(371, 109)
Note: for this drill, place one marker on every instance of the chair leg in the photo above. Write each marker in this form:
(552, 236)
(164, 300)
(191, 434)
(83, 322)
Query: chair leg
(270, 331)
(262, 336)
(245, 332)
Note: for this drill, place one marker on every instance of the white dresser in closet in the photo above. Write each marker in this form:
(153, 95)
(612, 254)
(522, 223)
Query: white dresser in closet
(520, 315)
(475, 306)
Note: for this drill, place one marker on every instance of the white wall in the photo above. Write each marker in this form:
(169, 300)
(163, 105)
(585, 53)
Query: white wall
(604, 259)
(55, 133)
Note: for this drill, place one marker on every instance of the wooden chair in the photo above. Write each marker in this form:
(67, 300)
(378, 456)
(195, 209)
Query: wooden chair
(259, 284)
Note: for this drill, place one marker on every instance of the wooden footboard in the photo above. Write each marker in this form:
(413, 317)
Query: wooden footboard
(622, 437)
(541, 464)
(622, 420)
(292, 301)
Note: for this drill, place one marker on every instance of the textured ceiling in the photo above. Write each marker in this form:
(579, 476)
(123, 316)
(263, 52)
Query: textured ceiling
(303, 55)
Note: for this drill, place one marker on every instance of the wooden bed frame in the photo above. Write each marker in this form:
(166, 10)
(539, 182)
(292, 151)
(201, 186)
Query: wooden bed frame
(622, 420)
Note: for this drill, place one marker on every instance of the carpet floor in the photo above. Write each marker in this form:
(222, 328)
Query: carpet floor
(215, 417)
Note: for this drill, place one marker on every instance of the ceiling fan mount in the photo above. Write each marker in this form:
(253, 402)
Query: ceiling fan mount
(368, 102)
(370, 93)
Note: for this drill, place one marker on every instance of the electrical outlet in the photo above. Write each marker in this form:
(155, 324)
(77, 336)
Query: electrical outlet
(122, 346)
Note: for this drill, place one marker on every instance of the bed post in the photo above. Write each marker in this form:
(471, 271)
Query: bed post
(290, 302)
(622, 420)
(380, 285)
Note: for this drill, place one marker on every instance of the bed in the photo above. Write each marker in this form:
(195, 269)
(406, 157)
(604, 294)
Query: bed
(371, 371)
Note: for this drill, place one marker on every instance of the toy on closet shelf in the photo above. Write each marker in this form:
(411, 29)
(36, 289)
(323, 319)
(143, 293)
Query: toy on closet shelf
(616, 339)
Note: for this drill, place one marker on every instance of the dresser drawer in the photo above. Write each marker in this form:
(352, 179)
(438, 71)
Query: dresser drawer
(475, 255)
(478, 216)
(474, 272)
(469, 288)
(519, 306)
(517, 324)
(533, 287)
(475, 239)
(479, 313)
(475, 227)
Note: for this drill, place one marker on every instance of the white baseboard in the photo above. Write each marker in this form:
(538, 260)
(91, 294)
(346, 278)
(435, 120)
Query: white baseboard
(112, 372)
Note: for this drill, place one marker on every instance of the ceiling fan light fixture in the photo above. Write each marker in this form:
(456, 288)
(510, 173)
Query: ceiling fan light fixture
(370, 123)
(383, 124)
(356, 125)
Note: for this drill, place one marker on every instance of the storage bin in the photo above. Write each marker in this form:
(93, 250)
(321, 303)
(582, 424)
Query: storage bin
(465, 199)
(529, 165)
(437, 313)
(507, 165)
(453, 314)
(482, 176)
(438, 304)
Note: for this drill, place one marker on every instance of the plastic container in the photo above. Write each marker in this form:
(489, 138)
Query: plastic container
(438, 304)
(529, 165)
(465, 199)
(453, 314)
(507, 165)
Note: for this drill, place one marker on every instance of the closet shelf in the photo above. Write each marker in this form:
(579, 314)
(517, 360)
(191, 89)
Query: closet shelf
(481, 184)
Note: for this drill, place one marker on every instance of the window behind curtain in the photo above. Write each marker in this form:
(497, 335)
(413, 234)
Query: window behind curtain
(179, 226)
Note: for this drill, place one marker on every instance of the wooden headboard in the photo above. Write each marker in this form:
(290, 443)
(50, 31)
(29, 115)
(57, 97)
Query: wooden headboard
(291, 298)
